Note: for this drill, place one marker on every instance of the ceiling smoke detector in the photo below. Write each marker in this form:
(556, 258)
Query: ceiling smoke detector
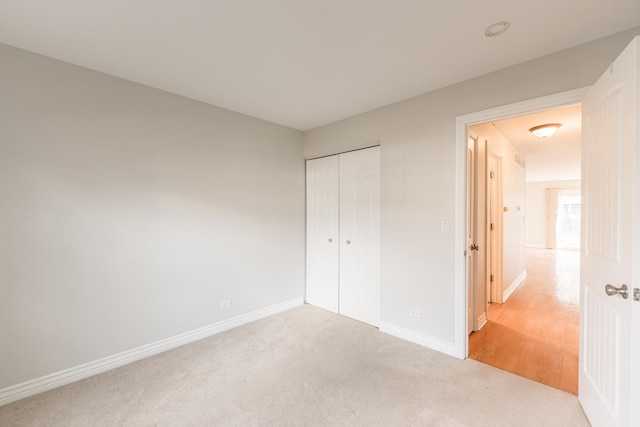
(496, 29)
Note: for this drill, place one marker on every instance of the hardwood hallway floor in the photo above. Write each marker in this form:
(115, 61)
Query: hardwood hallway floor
(535, 333)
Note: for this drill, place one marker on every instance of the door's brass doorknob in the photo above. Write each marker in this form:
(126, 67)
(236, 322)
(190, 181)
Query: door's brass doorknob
(612, 290)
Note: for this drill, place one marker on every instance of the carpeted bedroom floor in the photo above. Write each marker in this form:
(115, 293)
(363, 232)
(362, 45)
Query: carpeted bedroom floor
(303, 367)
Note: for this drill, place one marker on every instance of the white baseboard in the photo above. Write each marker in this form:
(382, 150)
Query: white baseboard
(482, 320)
(514, 285)
(418, 338)
(58, 379)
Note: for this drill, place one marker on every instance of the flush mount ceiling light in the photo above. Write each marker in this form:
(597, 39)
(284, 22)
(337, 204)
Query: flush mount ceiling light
(496, 29)
(544, 131)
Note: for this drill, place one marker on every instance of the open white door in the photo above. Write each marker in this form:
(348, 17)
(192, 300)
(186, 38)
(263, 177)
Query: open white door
(471, 235)
(608, 380)
(477, 232)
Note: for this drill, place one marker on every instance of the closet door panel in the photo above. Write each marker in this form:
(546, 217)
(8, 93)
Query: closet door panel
(322, 233)
(359, 275)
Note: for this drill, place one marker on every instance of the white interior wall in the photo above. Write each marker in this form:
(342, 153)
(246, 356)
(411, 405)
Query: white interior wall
(127, 214)
(418, 175)
(537, 209)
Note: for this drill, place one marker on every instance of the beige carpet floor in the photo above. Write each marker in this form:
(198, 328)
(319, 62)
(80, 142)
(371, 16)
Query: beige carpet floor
(304, 367)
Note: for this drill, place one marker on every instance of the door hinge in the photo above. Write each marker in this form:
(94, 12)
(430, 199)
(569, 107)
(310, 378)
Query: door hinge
(491, 278)
(492, 174)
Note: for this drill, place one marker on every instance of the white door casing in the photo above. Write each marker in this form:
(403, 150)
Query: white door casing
(562, 99)
(322, 232)
(610, 245)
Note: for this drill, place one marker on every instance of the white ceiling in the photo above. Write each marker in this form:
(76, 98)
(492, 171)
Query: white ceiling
(555, 158)
(304, 63)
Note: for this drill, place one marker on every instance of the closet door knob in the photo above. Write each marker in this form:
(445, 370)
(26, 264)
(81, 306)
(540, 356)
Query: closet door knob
(348, 242)
(330, 240)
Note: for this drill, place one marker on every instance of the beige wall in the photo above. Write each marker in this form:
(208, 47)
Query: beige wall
(418, 173)
(127, 214)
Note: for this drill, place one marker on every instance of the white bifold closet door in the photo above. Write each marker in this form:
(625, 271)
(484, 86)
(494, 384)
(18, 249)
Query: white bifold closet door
(343, 234)
(322, 232)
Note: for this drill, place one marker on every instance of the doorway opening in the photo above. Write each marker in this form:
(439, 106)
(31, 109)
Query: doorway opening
(532, 289)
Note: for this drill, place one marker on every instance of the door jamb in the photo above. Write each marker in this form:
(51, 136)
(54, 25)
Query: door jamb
(562, 99)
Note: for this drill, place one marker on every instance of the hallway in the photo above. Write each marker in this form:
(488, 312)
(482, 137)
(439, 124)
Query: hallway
(535, 333)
